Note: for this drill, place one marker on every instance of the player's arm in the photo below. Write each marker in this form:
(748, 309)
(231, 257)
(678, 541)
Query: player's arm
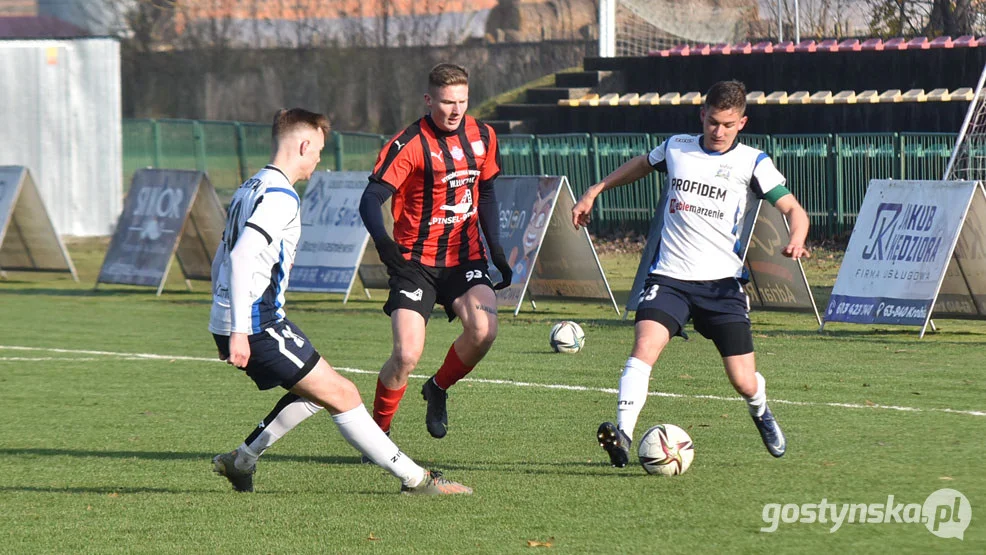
(798, 220)
(395, 164)
(632, 170)
(489, 209)
(265, 226)
(371, 210)
(249, 245)
(489, 219)
(764, 172)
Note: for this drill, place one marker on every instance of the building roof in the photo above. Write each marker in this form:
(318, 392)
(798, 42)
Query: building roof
(38, 27)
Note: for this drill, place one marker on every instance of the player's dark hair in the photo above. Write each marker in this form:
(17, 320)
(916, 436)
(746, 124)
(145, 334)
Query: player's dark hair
(286, 121)
(446, 75)
(726, 95)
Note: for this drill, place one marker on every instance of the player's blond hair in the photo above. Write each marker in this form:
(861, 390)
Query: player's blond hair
(446, 75)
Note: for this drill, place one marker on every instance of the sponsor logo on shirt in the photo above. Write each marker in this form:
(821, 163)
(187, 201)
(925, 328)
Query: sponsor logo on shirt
(676, 205)
(457, 153)
(701, 189)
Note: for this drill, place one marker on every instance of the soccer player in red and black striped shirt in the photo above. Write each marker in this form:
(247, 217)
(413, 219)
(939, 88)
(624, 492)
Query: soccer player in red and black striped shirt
(439, 172)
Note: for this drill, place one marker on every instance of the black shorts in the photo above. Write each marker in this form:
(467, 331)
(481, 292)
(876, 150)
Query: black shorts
(280, 355)
(419, 287)
(707, 303)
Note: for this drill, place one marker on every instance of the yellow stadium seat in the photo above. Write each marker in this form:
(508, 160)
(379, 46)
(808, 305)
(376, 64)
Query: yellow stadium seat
(799, 97)
(589, 99)
(844, 97)
(777, 97)
(611, 99)
(756, 97)
(892, 95)
(629, 99)
(939, 95)
(692, 98)
(651, 98)
(965, 93)
(915, 95)
(868, 95)
(670, 99)
(821, 97)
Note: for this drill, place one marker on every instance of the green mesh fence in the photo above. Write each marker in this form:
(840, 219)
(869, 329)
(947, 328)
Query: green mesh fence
(925, 155)
(220, 149)
(518, 155)
(179, 145)
(860, 157)
(806, 161)
(138, 148)
(255, 147)
(631, 206)
(569, 154)
(829, 174)
(357, 151)
(761, 142)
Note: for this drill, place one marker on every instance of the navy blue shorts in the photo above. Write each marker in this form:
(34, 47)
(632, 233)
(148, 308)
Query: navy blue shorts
(419, 287)
(280, 355)
(707, 303)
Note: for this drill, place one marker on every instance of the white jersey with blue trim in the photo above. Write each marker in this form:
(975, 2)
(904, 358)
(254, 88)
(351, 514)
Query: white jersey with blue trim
(268, 203)
(707, 200)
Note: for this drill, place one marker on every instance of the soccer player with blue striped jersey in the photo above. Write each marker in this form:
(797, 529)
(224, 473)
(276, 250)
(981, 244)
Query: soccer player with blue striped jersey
(250, 274)
(697, 272)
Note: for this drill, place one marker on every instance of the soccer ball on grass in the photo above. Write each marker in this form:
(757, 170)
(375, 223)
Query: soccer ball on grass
(567, 337)
(666, 449)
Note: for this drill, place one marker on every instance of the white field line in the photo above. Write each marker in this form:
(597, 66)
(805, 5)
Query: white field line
(148, 356)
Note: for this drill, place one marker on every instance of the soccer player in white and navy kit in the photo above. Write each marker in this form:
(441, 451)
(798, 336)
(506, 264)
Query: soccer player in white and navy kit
(250, 275)
(697, 272)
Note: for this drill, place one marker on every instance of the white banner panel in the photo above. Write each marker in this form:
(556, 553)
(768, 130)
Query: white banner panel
(332, 234)
(898, 252)
(60, 104)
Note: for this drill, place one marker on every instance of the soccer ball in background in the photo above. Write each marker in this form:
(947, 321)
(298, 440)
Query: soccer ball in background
(567, 337)
(666, 449)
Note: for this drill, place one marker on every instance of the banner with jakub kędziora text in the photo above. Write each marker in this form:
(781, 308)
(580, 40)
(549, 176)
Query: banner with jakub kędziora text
(900, 249)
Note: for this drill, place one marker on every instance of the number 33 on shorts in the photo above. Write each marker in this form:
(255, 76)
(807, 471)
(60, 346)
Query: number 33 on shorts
(649, 294)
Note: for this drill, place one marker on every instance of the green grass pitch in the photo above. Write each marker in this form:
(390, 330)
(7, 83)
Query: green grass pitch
(104, 450)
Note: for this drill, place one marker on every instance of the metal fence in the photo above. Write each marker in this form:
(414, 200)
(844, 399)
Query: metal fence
(828, 173)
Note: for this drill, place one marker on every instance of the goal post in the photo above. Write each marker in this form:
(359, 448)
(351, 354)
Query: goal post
(968, 160)
(630, 28)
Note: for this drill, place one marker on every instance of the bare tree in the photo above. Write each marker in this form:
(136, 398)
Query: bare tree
(816, 19)
(903, 18)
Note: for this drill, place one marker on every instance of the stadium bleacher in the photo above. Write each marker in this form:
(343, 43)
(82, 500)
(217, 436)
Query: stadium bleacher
(893, 85)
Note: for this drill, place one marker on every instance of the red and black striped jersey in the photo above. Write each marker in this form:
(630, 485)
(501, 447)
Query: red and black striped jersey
(435, 176)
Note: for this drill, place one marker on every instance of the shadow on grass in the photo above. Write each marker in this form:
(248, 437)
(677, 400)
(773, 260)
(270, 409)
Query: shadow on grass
(166, 456)
(517, 467)
(101, 292)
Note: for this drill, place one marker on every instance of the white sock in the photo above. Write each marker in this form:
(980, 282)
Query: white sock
(634, 384)
(280, 421)
(359, 429)
(758, 403)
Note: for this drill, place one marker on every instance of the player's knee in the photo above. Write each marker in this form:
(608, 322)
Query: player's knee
(348, 393)
(405, 359)
(482, 334)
